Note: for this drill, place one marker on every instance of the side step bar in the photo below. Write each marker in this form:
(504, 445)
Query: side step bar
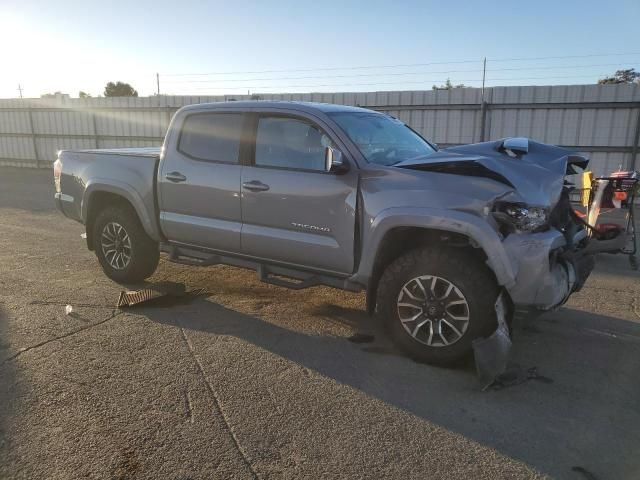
(267, 276)
(267, 273)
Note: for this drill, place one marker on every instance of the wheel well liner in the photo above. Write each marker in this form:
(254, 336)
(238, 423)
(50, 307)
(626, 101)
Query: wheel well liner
(98, 201)
(399, 240)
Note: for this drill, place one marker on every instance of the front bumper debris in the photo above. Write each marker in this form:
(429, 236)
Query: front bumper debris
(492, 353)
(545, 273)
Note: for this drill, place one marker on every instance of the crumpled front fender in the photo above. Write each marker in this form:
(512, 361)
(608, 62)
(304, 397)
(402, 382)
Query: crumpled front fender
(474, 227)
(527, 265)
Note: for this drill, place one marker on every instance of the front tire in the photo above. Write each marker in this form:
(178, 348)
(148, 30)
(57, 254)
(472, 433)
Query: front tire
(125, 252)
(435, 301)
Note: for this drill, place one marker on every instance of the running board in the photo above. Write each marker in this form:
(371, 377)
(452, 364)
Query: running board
(195, 259)
(280, 280)
(280, 276)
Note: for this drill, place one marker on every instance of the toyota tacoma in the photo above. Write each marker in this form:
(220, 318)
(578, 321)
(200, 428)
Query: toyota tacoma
(310, 194)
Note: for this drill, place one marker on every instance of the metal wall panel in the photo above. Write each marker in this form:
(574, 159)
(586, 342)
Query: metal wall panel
(602, 119)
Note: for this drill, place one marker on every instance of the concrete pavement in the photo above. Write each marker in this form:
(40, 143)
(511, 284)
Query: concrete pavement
(256, 381)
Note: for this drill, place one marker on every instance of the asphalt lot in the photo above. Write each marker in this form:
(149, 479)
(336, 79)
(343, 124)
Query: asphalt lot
(253, 380)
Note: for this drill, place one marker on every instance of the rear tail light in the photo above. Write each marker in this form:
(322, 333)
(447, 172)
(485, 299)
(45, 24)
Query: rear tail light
(57, 172)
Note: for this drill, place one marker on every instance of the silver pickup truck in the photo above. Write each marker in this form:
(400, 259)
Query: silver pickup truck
(316, 194)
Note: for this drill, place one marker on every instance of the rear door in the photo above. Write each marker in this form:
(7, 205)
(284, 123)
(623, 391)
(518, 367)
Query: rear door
(293, 210)
(199, 181)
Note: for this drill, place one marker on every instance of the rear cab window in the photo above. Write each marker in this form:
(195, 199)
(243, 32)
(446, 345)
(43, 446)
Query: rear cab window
(212, 137)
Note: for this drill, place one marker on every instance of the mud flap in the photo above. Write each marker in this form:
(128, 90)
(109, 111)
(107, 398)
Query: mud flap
(492, 353)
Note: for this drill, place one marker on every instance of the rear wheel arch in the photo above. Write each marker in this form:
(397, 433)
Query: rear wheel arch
(96, 202)
(98, 195)
(124, 250)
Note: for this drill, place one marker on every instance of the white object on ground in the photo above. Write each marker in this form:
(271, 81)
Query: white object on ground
(68, 309)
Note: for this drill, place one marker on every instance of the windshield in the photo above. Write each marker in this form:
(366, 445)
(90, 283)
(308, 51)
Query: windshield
(381, 138)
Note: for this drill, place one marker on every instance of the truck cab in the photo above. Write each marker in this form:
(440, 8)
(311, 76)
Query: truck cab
(259, 185)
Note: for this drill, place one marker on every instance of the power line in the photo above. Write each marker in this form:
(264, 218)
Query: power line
(478, 61)
(322, 69)
(563, 57)
(391, 74)
(317, 76)
(254, 87)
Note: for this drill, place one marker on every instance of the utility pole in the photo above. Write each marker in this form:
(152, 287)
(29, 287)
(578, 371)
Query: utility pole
(158, 82)
(20, 90)
(483, 104)
(484, 74)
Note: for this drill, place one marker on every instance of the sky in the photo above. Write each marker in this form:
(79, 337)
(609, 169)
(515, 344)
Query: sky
(214, 47)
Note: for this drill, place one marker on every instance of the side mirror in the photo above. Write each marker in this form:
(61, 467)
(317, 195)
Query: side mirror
(516, 144)
(334, 161)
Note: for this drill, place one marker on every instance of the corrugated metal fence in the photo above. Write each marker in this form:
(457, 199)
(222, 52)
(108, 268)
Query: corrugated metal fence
(602, 121)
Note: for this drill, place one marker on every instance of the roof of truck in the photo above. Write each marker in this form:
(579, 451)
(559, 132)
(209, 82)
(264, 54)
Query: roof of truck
(293, 105)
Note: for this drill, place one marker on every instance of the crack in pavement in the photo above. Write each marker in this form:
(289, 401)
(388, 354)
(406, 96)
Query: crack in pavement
(218, 403)
(62, 304)
(189, 406)
(61, 337)
(634, 307)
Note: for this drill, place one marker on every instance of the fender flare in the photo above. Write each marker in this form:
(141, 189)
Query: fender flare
(125, 191)
(472, 226)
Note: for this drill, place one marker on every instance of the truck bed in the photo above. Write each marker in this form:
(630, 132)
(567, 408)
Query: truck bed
(127, 172)
(133, 152)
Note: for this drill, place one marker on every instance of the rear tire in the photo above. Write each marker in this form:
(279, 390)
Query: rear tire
(410, 300)
(125, 252)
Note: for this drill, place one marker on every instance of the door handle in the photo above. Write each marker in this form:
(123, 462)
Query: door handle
(255, 186)
(175, 177)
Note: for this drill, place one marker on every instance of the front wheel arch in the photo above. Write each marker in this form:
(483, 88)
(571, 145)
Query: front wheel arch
(472, 282)
(400, 240)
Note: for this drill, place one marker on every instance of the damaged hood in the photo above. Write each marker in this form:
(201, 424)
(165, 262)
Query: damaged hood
(537, 175)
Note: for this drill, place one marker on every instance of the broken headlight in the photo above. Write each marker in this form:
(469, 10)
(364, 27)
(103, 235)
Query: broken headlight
(519, 217)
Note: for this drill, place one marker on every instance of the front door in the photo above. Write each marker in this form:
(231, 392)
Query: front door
(199, 182)
(293, 211)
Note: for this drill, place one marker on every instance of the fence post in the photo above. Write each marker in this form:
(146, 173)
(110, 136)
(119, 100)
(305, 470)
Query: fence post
(636, 138)
(33, 136)
(483, 120)
(95, 127)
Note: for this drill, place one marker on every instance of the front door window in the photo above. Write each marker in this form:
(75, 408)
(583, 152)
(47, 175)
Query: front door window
(290, 143)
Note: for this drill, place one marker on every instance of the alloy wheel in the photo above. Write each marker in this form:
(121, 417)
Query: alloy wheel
(433, 311)
(116, 245)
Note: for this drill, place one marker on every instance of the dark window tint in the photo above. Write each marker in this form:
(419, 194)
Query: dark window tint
(290, 143)
(212, 136)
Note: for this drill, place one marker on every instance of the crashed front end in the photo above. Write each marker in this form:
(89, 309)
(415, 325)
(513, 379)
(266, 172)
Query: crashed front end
(545, 241)
(550, 265)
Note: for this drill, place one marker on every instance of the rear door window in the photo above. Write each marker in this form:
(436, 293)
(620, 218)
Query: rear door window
(213, 137)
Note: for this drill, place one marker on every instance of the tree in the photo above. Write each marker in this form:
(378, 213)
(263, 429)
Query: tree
(621, 76)
(119, 89)
(82, 94)
(448, 86)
